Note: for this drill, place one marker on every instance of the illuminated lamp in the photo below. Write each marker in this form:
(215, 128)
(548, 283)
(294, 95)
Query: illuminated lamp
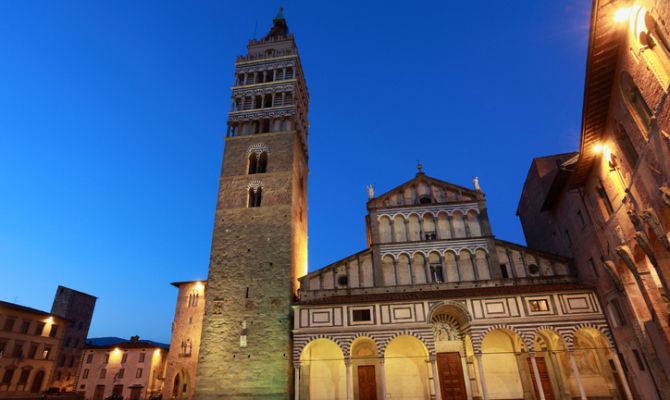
(50, 320)
(622, 14)
(199, 286)
(607, 154)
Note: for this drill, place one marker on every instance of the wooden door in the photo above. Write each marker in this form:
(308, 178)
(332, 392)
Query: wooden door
(367, 387)
(135, 393)
(99, 392)
(117, 390)
(450, 374)
(37, 382)
(544, 378)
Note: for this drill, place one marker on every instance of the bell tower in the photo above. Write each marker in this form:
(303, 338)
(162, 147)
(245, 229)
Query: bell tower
(259, 244)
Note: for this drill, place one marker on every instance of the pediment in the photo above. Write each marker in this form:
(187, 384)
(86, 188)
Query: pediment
(424, 189)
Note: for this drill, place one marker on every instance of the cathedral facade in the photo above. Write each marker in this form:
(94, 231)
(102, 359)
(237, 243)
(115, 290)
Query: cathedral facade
(437, 308)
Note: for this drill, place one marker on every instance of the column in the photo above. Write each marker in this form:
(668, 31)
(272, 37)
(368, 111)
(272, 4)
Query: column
(406, 223)
(480, 366)
(383, 375)
(451, 225)
(395, 269)
(392, 229)
(296, 381)
(347, 364)
(274, 75)
(283, 74)
(538, 381)
(622, 376)
(575, 371)
(421, 236)
(436, 379)
(466, 372)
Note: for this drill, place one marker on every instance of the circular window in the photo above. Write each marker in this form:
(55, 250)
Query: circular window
(533, 269)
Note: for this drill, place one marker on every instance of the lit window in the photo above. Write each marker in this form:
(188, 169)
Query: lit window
(46, 353)
(538, 305)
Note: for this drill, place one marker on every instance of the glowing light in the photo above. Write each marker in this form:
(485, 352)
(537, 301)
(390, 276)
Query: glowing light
(622, 14)
(50, 320)
(607, 154)
(598, 148)
(117, 351)
(157, 353)
(199, 286)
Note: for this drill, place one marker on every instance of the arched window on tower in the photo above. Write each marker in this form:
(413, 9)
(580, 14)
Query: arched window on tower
(252, 163)
(262, 163)
(255, 195)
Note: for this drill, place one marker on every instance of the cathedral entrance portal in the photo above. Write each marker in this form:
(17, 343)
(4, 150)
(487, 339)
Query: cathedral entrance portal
(450, 373)
(367, 388)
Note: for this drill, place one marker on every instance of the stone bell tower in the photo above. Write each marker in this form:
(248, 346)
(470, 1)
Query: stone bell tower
(259, 244)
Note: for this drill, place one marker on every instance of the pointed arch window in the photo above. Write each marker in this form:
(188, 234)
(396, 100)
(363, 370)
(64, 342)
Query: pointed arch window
(255, 195)
(257, 159)
(253, 161)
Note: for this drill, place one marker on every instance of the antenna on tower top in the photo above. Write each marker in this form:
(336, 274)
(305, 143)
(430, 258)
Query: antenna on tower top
(255, 26)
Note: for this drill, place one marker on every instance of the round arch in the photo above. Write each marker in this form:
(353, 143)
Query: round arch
(406, 368)
(500, 348)
(322, 371)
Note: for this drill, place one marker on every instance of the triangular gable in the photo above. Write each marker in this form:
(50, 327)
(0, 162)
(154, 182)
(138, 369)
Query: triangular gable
(468, 194)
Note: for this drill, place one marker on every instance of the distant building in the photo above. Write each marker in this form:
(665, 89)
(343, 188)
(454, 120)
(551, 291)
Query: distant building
(132, 369)
(77, 308)
(182, 361)
(30, 341)
(608, 205)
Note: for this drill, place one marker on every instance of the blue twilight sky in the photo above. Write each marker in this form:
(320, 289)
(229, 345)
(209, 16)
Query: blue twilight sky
(113, 113)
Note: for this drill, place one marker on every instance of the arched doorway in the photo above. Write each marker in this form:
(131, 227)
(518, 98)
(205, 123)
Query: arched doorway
(366, 370)
(181, 385)
(322, 371)
(449, 323)
(37, 382)
(406, 367)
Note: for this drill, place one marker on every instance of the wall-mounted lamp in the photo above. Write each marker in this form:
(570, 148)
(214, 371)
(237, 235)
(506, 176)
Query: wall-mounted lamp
(622, 14)
(50, 320)
(199, 286)
(607, 154)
